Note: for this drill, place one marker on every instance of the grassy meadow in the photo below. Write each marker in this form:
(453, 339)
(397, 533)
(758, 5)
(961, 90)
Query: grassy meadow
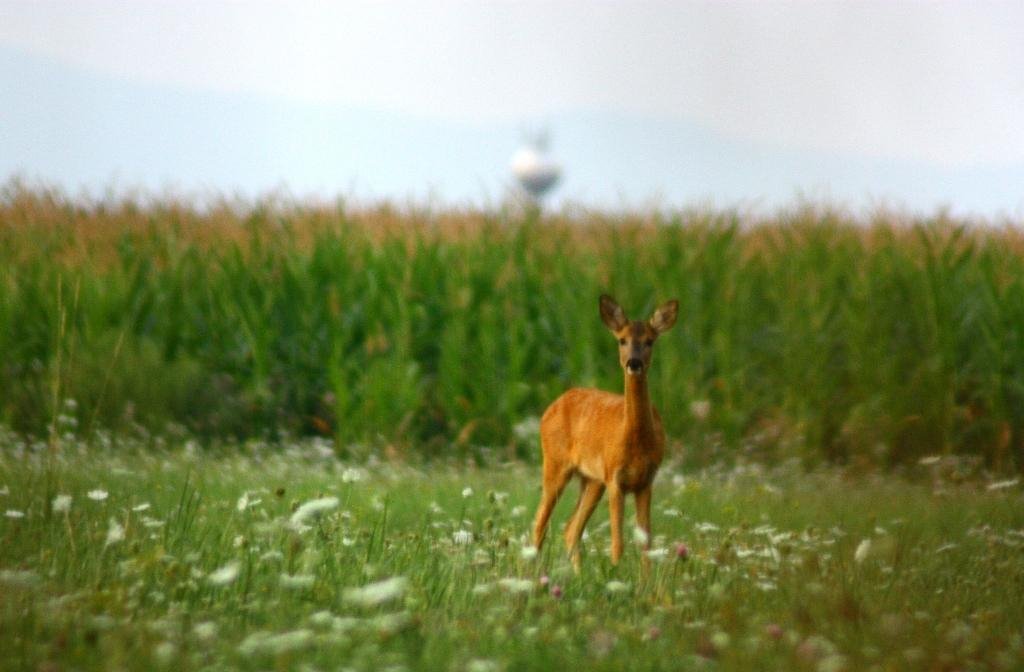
(270, 557)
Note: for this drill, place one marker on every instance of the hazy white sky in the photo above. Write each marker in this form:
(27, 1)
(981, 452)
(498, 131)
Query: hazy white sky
(931, 82)
(943, 82)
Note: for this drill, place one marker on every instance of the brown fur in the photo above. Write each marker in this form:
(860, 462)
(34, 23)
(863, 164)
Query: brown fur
(611, 441)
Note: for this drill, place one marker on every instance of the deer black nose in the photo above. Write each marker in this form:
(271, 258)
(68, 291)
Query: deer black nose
(634, 364)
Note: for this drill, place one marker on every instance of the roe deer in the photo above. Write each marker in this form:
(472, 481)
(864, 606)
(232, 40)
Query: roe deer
(611, 441)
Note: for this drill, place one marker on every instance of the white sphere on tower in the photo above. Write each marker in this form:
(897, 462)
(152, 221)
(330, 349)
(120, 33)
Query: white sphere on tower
(533, 169)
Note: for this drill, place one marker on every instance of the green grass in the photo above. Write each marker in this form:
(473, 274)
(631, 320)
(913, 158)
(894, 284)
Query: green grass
(811, 334)
(771, 580)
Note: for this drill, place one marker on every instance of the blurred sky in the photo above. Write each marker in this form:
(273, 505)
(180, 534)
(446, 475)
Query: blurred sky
(916, 105)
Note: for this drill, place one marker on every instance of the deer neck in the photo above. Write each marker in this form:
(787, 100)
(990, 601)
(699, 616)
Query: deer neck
(639, 415)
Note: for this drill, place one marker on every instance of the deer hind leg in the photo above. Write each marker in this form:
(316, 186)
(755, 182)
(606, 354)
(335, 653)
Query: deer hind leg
(590, 495)
(556, 475)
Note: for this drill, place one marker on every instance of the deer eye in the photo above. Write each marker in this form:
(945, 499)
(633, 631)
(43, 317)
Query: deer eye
(622, 341)
(648, 342)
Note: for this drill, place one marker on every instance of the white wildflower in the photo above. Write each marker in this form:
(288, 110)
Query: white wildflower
(700, 409)
(863, 550)
(164, 652)
(243, 502)
(14, 513)
(467, 491)
(706, 527)
(482, 665)
(297, 581)
(640, 535)
(482, 588)
(313, 508)
(389, 624)
(97, 495)
(929, 460)
(528, 552)
(205, 630)
(16, 577)
(141, 507)
(373, 594)
(657, 554)
(351, 475)
(515, 585)
(616, 587)
(527, 429)
(265, 642)
(1003, 485)
(62, 503)
(115, 532)
(462, 537)
(222, 576)
(517, 511)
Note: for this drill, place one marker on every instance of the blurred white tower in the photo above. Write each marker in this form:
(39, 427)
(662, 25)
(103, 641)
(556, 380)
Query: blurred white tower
(533, 169)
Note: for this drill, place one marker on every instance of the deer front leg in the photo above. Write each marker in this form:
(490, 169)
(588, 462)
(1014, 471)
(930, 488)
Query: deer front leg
(643, 521)
(615, 504)
(643, 515)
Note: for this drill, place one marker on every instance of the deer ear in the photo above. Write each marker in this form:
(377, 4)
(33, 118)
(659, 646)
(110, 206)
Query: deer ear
(611, 313)
(664, 317)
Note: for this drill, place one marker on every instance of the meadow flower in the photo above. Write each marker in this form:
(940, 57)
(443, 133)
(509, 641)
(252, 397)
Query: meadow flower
(462, 537)
(297, 581)
(374, 594)
(313, 508)
(700, 409)
(682, 552)
(482, 665)
(467, 491)
(528, 552)
(141, 507)
(929, 460)
(657, 554)
(97, 495)
(115, 533)
(556, 591)
(517, 511)
(18, 577)
(616, 587)
(265, 642)
(243, 502)
(515, 585)
(164, 652)
(1003, 485)
(62, 503)
(640, 535)
(14, 513)
(389, 624)
(863, 550)
(351, 475)
(774, 631)
(205, 630)
(222, 576)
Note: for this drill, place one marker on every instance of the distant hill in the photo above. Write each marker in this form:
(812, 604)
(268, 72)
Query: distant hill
(74, 128)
